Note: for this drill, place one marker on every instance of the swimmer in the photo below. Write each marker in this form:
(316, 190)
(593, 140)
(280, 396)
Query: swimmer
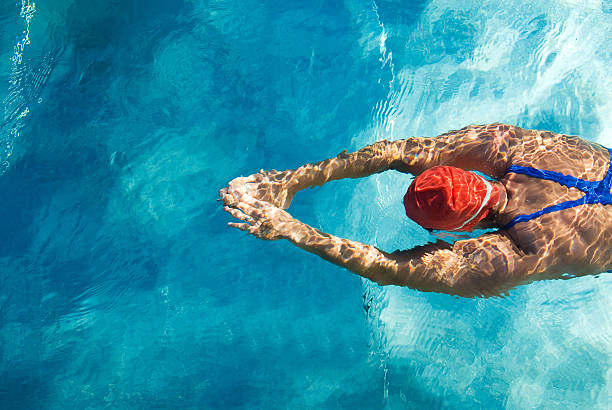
(547, 195)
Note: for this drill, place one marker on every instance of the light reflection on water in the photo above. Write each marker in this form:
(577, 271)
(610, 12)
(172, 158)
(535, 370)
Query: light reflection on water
(538, 67)
(120, 283)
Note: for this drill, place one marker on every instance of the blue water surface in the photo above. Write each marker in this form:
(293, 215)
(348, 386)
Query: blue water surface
(121, 285)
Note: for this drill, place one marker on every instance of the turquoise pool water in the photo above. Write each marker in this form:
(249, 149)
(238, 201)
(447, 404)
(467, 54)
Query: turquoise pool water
(121, 285)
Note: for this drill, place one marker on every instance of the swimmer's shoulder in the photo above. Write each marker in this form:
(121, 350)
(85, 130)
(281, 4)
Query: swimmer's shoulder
(535, 147)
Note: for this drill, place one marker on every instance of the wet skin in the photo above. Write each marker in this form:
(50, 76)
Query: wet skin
(571, 242)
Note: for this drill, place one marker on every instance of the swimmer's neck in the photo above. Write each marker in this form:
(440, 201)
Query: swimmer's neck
(491, 220)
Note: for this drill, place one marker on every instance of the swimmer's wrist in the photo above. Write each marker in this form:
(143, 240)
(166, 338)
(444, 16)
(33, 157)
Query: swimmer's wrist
(301, 178)
(296, 232)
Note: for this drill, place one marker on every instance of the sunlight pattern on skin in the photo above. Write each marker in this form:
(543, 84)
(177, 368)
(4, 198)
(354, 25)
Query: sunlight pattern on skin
(575, 240)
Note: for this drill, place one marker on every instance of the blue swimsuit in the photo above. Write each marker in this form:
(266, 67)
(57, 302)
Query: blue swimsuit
(596, 192)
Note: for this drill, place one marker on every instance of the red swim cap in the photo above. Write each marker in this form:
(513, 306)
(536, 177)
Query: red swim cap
(449, 199)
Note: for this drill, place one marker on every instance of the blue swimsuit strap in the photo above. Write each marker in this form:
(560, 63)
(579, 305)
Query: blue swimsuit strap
(595, 192)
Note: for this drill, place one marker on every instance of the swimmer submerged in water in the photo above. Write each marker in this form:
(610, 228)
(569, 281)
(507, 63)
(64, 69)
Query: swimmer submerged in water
(548, 195)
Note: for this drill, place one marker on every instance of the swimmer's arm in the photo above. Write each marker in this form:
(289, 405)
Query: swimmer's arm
(279, 187)
(373, 159)
(487, 265)
(362, 259)
(268, 222)
(485, 148)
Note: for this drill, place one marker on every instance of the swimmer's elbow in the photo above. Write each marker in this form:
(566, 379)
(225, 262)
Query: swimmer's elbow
(380, 276)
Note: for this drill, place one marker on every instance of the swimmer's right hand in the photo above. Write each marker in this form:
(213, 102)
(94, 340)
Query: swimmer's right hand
(273, 187)
(261, 219)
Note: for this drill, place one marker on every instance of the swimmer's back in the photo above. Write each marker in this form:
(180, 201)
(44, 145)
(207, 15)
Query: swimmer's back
(576, 239)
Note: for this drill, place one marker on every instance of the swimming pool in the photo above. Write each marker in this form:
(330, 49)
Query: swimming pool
(122, 287)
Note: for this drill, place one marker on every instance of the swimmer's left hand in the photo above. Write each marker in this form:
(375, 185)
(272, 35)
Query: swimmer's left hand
(273, 187)
(261, 219)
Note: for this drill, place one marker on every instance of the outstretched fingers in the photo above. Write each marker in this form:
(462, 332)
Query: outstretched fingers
(256, 219)
(247, 213)
(252, 229)
(237, 213)
(241, 226)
